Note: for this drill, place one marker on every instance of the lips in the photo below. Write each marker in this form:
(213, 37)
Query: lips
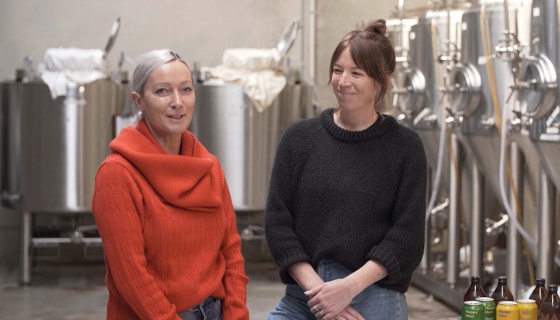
(176, 117)
(344, 93)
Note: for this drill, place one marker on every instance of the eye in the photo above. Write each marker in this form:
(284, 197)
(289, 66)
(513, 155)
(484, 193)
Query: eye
(337, 71)
(160, 91)
(187, 89)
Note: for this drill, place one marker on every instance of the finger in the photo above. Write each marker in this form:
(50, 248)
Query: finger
(354, 313)
(313, 291)
(319, 314)
(315, 309)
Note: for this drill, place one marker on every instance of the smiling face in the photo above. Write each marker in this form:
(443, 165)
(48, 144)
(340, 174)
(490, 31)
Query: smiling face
(353, 88)
(167, 103)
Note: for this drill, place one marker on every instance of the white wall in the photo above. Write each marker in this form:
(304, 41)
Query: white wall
(200, 30)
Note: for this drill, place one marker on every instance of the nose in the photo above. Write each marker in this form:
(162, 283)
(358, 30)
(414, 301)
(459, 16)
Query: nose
(343, 81)
(176, 101)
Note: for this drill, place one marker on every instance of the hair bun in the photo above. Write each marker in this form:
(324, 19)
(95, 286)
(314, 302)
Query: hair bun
(377, 26)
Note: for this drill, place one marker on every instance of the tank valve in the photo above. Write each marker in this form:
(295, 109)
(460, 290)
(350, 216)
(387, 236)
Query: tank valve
(487, 123)
(453, 120)
(497, 227)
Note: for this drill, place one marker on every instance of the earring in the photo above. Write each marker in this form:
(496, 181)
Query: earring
(139, 115)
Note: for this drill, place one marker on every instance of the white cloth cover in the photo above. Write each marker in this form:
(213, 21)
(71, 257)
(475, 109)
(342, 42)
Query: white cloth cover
(72, 64)
(253, 69)
(262, 86)
(250, 59)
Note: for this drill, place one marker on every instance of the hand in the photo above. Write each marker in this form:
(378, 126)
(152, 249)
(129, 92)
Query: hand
(349, 314)
(330, 298)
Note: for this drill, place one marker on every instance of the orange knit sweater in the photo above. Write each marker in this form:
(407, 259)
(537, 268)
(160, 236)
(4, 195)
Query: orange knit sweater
(168, 229)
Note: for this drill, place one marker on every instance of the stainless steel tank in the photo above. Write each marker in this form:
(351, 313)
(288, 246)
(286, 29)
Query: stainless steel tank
(479, 90)
(53, 148)
(538, 85)
(538, 97)
(244, 139)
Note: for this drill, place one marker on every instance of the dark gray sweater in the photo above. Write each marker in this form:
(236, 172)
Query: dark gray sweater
(351, 196)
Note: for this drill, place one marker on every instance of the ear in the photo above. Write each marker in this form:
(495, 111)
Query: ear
(137, 99)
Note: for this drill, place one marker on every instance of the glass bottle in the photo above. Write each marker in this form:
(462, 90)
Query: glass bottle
(475, 290)
(550, 306)
(502, 292)
(539, 293)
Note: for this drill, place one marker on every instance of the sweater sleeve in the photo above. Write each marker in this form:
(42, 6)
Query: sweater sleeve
(235, 281)
(402, 247)
(117, 205)
(283, 242)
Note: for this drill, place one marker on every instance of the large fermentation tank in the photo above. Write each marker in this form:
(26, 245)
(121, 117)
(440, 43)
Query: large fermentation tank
(479, 91)
(53, 148)
(479, 88)
(244, 139)
(538, 85)
(538, 94)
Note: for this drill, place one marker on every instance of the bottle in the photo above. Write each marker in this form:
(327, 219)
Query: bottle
(539, 293)
(550, 306)
(502, 292)
(475, 290)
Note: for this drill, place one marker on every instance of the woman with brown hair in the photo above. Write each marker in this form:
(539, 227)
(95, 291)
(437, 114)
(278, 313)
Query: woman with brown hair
(345, 212)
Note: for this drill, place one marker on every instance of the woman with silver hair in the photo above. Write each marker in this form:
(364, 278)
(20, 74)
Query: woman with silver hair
(163, 209)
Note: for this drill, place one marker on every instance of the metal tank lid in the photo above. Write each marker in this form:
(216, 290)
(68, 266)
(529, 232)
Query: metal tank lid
(288, 38)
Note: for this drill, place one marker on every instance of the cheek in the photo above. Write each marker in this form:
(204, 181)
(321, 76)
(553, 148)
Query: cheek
(334, 81)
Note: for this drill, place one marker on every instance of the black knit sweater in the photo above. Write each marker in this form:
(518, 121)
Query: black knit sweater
(351, 196)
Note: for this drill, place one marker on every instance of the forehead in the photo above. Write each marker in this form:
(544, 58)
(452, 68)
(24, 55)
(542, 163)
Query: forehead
(175, 69)
(345, 57)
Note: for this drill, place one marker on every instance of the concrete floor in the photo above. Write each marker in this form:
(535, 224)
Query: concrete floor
(77, 292)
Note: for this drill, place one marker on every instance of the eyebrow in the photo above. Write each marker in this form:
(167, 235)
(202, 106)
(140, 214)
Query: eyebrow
(167, 83)
(356, 67)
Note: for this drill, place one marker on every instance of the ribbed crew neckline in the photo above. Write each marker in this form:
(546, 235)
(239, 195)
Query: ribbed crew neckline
(383, 124)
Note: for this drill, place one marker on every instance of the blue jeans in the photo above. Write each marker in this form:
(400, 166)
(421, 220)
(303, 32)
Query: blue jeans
(209, 309)
(374, 303)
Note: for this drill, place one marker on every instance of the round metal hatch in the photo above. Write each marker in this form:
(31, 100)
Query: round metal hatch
(409, 87)
(464, 90)
(537, 83)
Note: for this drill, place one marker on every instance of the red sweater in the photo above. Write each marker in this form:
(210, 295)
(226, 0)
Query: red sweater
(168, 229)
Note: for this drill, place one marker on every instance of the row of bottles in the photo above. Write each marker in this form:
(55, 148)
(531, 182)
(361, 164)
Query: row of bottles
(548, 301)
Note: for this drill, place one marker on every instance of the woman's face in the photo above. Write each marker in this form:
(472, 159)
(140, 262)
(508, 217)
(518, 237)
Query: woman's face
(353, 88)
(168, 100)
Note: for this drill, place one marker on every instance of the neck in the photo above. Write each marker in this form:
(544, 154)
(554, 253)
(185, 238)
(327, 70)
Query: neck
(355, 120)
(170, 144)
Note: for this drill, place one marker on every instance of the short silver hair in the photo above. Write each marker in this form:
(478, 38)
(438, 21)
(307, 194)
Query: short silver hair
(147, 63)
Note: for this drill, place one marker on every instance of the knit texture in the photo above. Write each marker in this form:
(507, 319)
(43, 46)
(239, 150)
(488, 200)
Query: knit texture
(350, 196)
(168, 229)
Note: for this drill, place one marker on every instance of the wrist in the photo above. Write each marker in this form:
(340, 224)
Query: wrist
(352, 285)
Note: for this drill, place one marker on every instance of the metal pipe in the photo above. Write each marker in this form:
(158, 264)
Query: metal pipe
(546, 224)
(425, 262)
(454, 191)
(25, 248)
(308, 13)
(477, 222)
(514, 239)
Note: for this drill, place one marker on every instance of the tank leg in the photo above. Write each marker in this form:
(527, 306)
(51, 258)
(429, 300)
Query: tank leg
(25, 267)
(453, 222)
(545, 266)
